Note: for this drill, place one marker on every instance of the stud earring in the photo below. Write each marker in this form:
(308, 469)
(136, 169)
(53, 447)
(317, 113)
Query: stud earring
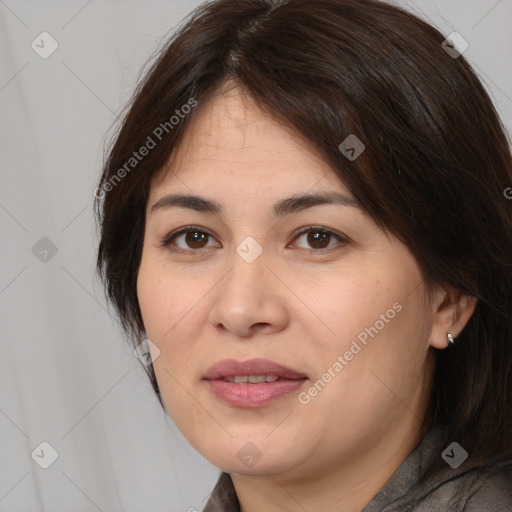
(451, 341)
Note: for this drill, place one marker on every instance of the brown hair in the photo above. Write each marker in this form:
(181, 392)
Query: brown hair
(436, 164)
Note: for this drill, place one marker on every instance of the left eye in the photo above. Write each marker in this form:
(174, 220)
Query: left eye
(195, 238)
(316, 237)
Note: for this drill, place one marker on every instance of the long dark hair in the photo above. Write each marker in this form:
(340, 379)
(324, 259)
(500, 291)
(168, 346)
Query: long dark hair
(434, 171)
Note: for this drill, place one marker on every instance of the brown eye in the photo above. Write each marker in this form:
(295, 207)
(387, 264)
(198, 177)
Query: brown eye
(193, 239)
(319, 239)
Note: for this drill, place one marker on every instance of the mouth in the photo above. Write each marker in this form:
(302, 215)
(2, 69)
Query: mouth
(252, 383)
(255, 370)
(253, 379)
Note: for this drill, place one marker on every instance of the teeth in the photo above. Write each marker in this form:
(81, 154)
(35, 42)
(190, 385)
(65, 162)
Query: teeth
(251, 379)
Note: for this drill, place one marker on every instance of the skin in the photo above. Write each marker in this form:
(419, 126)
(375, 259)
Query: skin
(299, 303)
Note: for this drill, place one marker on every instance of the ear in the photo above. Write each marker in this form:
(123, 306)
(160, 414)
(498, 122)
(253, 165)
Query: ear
(452, 311)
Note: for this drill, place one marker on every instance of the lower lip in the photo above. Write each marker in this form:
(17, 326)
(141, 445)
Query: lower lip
(253, 395)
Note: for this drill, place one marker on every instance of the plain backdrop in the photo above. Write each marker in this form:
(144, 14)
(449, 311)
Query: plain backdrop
(67, 377)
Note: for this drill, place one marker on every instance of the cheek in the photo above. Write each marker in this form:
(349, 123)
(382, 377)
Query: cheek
(377, 323)
(151, 297)
(172, 308)
(158, 296)
(345, 303)
(168, 314)
(371, 370)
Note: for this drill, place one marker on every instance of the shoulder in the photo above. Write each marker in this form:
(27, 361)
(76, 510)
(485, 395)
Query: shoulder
(476, 490)
(474, 486)
(425, 483)
(491, 491)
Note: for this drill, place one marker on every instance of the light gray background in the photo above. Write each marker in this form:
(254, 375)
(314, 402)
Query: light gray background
(66, 375)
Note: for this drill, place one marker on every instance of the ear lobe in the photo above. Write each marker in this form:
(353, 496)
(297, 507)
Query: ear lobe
(453, 313)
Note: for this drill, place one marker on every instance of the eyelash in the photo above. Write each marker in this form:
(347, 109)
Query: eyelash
(169, 238)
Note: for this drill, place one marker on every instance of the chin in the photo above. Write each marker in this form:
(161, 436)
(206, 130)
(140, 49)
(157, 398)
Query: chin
(251, 458)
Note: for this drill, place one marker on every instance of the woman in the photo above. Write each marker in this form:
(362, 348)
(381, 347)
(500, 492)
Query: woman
(303, 216)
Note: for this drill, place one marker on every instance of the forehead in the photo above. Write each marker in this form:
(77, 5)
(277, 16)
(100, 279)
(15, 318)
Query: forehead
(231, 143)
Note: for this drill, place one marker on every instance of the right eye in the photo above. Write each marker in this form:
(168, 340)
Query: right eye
(194, 239)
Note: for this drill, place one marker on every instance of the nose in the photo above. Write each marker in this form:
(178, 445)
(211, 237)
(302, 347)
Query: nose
(249, 299)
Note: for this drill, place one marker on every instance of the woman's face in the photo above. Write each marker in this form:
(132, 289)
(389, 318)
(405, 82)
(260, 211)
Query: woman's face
(343, 304)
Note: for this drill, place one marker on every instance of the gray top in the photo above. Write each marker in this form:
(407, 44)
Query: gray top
(467, 488)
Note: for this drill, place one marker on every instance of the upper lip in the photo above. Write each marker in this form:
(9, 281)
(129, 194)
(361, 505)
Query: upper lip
(232, 368)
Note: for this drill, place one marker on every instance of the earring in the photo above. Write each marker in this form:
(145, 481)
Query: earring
(451, 341)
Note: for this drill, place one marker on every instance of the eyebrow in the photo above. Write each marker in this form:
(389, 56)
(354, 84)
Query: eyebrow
(282, 208)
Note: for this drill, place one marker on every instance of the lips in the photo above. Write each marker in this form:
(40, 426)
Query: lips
(232, 368)
(250, 394)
